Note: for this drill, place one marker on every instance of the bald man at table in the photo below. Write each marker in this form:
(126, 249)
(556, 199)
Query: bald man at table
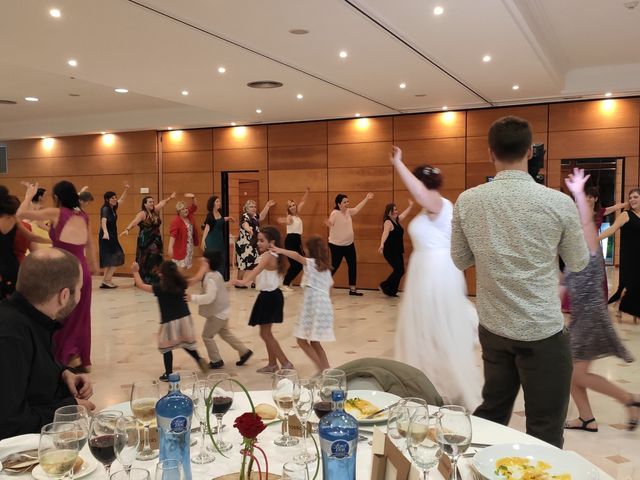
(35, 385)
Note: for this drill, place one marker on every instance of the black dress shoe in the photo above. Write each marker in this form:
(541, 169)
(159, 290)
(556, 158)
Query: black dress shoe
(244, 357)
(105, 285)
(216, 365)
(164, 377)
(355, 293)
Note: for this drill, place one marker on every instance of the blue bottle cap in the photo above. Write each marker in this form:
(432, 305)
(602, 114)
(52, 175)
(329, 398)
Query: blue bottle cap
(174, 377)
(337, 395)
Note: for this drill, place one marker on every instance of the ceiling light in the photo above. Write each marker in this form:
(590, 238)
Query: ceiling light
(185, 92)
(169, 128)
(299, 31)
(121, 90)
(343, 54)
(103, 133)
(233, 124)
(299, 96)
(403, 85)
(445, 107)
(265, 84)
(608, 94)
(258, 110)
(48, 142)
(221, 70)
(438, 10)
(515, 87)
(31, 99)
(72, 63)
(357, 114)
(486, 58)
(55, 13)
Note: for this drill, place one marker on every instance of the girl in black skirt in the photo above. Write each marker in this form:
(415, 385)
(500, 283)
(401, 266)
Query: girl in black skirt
(293, 240)
(269, 305)
(392, 246)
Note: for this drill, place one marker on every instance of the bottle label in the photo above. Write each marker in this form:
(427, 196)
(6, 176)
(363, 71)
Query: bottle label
(340, 449)
(178, 424)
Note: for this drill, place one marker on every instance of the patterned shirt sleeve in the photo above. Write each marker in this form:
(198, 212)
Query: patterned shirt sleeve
(461, 253)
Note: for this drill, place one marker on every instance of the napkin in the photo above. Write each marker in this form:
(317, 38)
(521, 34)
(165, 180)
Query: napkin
(20, 443)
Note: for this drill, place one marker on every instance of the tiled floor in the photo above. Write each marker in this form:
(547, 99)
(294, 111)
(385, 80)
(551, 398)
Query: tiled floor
(124, 349)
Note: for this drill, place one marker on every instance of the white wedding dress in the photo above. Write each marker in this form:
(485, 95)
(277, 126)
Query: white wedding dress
(437, 327)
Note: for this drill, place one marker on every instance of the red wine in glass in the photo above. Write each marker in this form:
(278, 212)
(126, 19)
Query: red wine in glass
(221, 405)
(322, 408)
(102, 449)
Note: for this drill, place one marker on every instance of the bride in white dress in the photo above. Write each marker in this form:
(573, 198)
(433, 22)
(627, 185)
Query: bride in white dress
(437, 325)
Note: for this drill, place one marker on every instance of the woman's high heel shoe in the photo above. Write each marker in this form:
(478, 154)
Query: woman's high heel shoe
(633, 422)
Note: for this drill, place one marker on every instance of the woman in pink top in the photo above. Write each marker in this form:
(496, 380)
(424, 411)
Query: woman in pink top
(341, 237)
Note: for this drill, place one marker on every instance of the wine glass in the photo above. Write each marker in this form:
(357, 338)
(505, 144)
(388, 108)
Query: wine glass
(58, 448)
(169, 470)
(303, 395)
(399, 417)
(187, 381)
(339, 375)
(453, 431)
(221, 402)
(283, 382)
(423, 448)
(295, 471)
(144, 395)
(102, 437)
(200, 395)
(78, 414)
(131, 474)
(127, 441)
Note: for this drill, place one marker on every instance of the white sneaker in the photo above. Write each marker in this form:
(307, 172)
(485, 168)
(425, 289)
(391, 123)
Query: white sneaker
(286, 288)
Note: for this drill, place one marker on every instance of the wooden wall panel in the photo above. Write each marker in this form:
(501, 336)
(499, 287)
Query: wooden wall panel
(479, 121)
(360, 130)
(187, 140)
(291, 181)
(196, 161)
(594, 143)
(240, 137)
(240, 159)
(429, 125)
(598, 114)
(297, 134)
(295, 158)
(361, 179)
(359, 154)
(432, 151)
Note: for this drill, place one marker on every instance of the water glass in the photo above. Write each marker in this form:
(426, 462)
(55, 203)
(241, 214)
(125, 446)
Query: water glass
(127, 441)
(422, 446)
(221, 402)
(58, 448)
(339, 375)
(303, 401)
(78, 414)
(131, 474)
(399, 417)
(144, 395)
(283, 383)
(102, 433)
(453, 431)
(295, 471)
(200, 396)
(169, 470)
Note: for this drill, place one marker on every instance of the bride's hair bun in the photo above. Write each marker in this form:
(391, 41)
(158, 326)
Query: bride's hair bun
(431, 177)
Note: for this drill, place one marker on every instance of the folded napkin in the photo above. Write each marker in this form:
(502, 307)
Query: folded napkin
(19, 444)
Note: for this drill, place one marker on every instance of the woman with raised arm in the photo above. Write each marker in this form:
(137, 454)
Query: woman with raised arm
(149, 246)
(69, 231)
(213, 235)
(246, 245)
(392, 246)
(628, 222)
(293, 240)
(183, 236)
(111, 253)
(591, 333)
(437, 325)
(341, 237)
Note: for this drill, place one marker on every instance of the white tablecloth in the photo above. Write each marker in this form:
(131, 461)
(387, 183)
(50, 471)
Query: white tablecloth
(484, 431)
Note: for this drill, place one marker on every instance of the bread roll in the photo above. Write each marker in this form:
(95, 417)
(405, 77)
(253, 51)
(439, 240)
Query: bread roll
(78, 465)
(266, 411)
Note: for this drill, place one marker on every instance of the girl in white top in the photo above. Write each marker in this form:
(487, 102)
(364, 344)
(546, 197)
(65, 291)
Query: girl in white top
(315, 323)
(293, 240)
(269, 306)
(341, 237)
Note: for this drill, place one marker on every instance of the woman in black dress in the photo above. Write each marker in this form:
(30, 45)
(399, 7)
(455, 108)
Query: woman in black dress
(111, 253)
(628, 222)
(8, 229)
(392, 246)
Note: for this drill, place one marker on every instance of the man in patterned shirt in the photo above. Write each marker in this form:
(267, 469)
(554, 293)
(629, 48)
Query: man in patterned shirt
(512, 229)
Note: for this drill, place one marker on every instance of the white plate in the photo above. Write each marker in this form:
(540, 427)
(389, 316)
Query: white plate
(560, 461)
(379, 399)
(89, 465)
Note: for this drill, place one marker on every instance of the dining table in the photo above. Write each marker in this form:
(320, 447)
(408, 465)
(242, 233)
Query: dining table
(484, 433)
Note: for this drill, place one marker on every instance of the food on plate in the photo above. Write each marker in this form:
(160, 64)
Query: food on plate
(521, 468)
(266, 411)
(78, 465)
(359, 407)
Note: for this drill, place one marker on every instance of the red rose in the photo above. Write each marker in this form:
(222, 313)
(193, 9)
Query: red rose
(249, 425)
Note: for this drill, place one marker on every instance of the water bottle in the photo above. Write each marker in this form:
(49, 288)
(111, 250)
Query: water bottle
(173, 412)
(338, 441)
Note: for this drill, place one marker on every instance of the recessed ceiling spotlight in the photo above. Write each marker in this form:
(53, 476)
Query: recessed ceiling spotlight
(299, 31)
(258, 110)
(169, 128)
(438, 10)
(403, 85)
(31, 99)
(515, 87)
(72, 63)
(55, 13)
(343, 54)
(299, 96)
(185, 92)
(608, 94)
(265, 84)
(357, 114)
(445, 107)
(222, 69)
(486, 58)
(233, 124)
(121, 90)
(103, 133)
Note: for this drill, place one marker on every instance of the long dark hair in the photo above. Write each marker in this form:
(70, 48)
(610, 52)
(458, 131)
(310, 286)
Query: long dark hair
(66, 195)
(214, 259)
(171, 280)
(272, 234)
(9, 204)
(338, 200)
(387, 211)
(107, 196)
(319, 251)
(210, 206)
(144, 200)
(594, 192)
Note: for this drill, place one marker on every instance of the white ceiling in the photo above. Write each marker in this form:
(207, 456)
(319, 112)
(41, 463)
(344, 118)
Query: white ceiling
(553, 49)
